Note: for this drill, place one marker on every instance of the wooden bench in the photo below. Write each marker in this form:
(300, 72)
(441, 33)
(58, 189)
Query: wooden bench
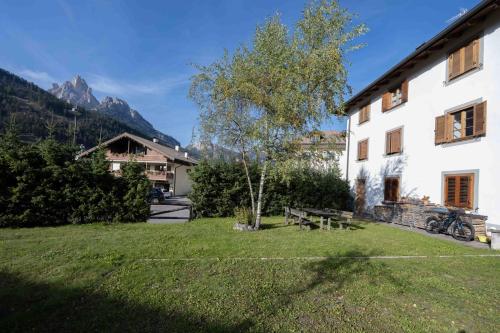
(297, 216)
(342, 217)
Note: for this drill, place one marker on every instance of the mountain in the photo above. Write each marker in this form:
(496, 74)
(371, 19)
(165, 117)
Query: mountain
(35, 113)
(79, 93)
(76, 92)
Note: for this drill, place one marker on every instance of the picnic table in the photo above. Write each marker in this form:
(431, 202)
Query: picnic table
(328, 214)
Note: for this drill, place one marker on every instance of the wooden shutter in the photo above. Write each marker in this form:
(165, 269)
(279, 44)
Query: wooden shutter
(393, 142)
(471, 55)
(448, 127)
(480, 119)
(364, 114)
(363, 150)
(459, 191)
(404, 91)
(454, 64)
(396, 141)
(468, 57)
(391, 189)
(388, 143)
(386, 101)
(450, 190)
(395, 189)
(440, 130)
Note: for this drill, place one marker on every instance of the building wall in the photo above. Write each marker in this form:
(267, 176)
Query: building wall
(182, 181)
(422, 163)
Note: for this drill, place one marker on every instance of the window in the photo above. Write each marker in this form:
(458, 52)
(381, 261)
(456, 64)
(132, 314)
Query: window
(364, 114)
(459, 190)
(393, 142)
(463, 59)
(115, 166)
(363, 150)
(395, 96)
(463, 124)
(391, 189)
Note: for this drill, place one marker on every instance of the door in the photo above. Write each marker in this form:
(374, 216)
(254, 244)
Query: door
(359, 203)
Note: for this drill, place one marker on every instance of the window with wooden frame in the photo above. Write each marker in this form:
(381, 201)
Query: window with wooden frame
(395, 96)
(391, 189)
(461, 125)
(363, 150)
(464, 59)
(393, 141)
(459, 190)
(364, 114)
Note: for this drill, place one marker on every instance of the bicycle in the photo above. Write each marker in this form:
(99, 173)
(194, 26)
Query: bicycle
(447, 219)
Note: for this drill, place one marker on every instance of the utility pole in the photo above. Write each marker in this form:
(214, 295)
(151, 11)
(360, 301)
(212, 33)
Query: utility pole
(74, 126)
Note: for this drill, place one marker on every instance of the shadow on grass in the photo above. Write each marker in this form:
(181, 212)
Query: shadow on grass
(32, 306)
(335, 272)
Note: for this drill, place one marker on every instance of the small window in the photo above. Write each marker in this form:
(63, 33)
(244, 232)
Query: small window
(395, 96)
(364, 114)
(391, 189)
(115, 166)
(363, 150)
(464, 59)
(463, 124)
(459, 190)
(393, 142)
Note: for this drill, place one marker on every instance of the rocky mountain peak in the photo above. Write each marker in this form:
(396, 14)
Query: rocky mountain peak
(75, 92)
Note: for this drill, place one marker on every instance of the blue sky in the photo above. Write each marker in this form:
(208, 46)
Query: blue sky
(143, 51)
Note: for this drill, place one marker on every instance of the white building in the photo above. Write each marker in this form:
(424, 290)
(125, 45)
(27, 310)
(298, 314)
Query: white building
(430, 126)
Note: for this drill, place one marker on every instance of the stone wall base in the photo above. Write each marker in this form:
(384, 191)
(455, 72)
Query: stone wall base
(415, 215)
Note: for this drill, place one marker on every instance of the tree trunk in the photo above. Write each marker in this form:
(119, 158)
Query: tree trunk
(250, 187)
(259, 200)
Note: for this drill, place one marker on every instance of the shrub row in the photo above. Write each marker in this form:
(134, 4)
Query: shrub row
(219, 187)
(42, 184)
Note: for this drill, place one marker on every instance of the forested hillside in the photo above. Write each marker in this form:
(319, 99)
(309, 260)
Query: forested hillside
(36, 113)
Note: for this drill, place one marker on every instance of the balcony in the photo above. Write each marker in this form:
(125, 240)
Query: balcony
(159, 174)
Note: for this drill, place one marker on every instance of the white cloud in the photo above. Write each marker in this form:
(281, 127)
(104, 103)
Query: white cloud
(108, 85)
(41, 77)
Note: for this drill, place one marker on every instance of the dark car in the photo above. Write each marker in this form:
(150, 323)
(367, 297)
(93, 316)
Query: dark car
(155, 196)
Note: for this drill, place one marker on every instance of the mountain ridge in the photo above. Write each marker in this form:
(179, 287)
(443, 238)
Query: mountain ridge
(78, 92)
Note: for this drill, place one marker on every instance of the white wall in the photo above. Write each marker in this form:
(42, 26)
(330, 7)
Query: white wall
(182, 180)
(421, 164)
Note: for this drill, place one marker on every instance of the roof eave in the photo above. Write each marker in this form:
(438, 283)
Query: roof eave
(384, 78)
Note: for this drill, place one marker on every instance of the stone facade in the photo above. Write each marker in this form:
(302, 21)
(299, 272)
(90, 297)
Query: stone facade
(415, 215)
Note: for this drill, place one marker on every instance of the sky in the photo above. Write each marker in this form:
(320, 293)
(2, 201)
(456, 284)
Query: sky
(144, 51)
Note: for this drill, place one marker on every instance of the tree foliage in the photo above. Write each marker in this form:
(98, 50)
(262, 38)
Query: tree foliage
(42, 184)
(282, 87)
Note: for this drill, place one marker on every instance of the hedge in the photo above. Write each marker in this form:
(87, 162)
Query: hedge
(42, 184)
(220, 186)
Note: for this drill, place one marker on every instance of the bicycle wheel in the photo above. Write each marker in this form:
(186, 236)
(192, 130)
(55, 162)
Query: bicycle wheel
(432, 225)
(463, 231)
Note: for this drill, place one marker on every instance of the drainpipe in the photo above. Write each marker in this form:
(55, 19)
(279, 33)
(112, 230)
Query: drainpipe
(348, 148)
(175, 177)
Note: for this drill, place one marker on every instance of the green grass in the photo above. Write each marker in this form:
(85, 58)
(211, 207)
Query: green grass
(95, 278)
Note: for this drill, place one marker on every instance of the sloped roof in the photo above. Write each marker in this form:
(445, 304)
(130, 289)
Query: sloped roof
(452, 31)
(168, 152)
(326, 137)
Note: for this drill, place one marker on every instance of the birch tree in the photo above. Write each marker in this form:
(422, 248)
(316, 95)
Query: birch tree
(284, 85)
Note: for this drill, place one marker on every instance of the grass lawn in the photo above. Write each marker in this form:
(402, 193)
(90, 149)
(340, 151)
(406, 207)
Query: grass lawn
(96, 278)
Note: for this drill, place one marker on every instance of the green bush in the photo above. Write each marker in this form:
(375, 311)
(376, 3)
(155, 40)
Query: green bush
(42, 184)
(219, 187)
(243, 215)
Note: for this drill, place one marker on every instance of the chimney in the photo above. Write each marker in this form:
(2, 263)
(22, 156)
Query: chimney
(177, 148)
(186, 154)
(155, 140)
